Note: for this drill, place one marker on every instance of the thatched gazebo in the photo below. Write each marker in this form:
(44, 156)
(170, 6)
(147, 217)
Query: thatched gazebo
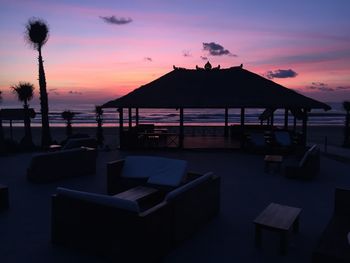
(209, 87)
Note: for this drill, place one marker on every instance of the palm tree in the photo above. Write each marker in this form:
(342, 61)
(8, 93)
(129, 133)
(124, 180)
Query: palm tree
(37, 34)
(346, 106)
(99, 120)
(25, 92)
(68, 116)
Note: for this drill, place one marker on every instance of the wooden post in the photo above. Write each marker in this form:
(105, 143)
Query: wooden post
(130, 118)
(137, 117)
(226, 123)
(242, 117)
(11, 132)
(295, 124)
(286, 119)
(272, 119)
(304, 128)
(121, 131)
(181, 134)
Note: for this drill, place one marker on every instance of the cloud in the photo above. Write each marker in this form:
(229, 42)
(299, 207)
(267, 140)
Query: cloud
(215, 49)
(281, 74)
(343, 88)
(116, 21)
(186, 53)
(148, 59)
(73, 92)
(320, 86)
(54, 91)
(204, 58)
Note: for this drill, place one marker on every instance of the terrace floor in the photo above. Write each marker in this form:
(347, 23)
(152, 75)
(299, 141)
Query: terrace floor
(245, 191)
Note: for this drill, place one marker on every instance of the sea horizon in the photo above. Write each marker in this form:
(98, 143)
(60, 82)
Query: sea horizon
(85, 116)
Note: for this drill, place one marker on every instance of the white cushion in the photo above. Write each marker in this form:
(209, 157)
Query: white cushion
(159, 170)
(178, 191)
(168, 172)
(100, 199)
(283, 138)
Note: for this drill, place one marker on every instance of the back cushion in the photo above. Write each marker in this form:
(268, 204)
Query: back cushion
(169, 172)
(283, 138)
(158, 170)
(100, 199)
(178, 191)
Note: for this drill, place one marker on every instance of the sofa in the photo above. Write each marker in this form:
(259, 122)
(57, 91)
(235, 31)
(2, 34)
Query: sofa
(334, 244)
(305, 165)
(119, 228)
(52, 166)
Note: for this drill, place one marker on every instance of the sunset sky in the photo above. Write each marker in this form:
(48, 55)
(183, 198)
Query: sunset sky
(99, 50)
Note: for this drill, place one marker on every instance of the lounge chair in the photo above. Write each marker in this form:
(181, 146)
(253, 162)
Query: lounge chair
(282, 142)
(334, 243)
(305, 166)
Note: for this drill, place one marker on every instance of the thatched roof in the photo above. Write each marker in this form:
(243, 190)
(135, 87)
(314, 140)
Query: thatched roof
(233, 87)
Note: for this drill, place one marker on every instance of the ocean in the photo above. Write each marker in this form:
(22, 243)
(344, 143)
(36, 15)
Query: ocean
(85, 116)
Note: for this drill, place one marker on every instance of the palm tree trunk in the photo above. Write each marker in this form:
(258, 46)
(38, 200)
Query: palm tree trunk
(45, 128)
(27, 129)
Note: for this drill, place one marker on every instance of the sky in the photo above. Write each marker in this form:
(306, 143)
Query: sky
(100, 50)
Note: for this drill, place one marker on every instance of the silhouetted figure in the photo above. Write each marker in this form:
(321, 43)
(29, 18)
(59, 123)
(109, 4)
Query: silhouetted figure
(99, 120)
(37, 34)
(346, 106)
(25, 92)
(68, 116)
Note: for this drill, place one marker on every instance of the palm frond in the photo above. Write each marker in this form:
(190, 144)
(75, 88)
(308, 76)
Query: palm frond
(36, 32)
(24, 91)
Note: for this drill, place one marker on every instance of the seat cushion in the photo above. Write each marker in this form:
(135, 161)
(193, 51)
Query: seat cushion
(164, 171)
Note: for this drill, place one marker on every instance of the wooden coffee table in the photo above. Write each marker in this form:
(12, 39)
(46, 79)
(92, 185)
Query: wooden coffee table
(278, 218)
(273, 160)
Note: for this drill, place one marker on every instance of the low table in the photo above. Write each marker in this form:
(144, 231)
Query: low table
(273, 159)
(279, 218)
(4, 197)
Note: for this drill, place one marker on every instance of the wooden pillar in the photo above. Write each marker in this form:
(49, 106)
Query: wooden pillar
(304, 127)
(137, 117)
(121, 131)
(181, 134)
(226, 123)
(11, 132)
(130, 118)
(272, 119)
(286, 119)
(242, 117)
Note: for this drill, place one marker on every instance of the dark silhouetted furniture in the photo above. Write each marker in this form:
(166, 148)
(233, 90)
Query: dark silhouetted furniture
(118, 226)
(51, 166)
(4, 197)
(303, 166)
(80, 142)
(272, 160)
(333, 245)
(278, 218)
